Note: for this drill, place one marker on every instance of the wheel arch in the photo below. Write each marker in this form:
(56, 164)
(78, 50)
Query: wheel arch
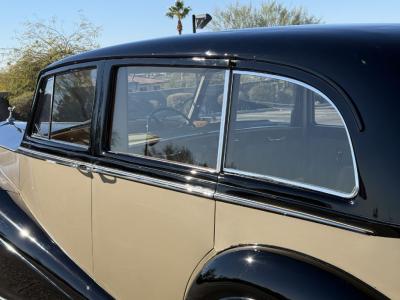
(269, 272)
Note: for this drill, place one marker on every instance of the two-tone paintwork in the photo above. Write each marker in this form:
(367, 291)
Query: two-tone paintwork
(354, 66)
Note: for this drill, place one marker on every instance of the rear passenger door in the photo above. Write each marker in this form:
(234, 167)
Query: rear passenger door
(286, 146)
(153, 187)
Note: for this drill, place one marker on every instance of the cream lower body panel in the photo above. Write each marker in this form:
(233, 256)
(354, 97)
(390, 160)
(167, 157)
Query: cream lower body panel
(9, 176)
(9, 170)
(59, 199)
(148, 240)
(374, 260)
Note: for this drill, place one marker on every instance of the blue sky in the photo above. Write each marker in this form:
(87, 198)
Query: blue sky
(124, 21)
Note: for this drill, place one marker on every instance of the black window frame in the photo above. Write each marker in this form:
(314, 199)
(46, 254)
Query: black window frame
(156, 167)
(41, 88)
(144, 157)
(55, 146)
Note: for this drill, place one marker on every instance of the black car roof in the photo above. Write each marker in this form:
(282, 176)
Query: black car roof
(280, 44)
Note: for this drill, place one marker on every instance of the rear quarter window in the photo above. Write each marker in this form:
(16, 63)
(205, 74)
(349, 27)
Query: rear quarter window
(270, 135)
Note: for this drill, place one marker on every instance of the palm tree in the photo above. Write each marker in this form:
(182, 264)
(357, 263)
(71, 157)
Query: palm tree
(180, 11)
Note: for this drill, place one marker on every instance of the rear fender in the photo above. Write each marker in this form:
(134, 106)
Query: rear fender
(263, 272)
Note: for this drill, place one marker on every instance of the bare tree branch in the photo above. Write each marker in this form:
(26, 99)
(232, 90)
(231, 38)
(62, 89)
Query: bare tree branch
(268, 14)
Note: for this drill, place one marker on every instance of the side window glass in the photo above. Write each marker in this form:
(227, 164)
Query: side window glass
(42, 119)
(269, 136)
(210, 108)
(261, 100)
(325, 113)
(168, 113)
(74, 95)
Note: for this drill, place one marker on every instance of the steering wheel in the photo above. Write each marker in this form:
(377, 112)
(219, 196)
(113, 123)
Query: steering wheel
(153, 116)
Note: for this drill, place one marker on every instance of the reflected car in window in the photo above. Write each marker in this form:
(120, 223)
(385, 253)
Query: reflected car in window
(252, 164)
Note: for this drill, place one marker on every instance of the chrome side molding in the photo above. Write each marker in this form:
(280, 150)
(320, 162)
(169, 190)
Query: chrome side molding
(93, 168)
(187, 188)
(190, 189)
(54, 158)
(290, 213)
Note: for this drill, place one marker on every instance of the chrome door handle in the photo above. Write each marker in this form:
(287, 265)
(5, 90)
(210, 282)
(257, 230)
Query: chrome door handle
(82, 168)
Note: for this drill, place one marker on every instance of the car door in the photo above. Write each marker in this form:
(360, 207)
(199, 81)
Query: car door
(153, 186)
(54, 162)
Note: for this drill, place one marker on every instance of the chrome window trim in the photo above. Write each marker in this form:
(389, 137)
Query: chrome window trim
(221, 141)
(51, 106)
(288, 182)
(290, 213)
(219, 153)
(234, 298)
(277, 180)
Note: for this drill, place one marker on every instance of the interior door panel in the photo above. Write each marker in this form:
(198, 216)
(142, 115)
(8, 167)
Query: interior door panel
(267, 145)
(293, 153)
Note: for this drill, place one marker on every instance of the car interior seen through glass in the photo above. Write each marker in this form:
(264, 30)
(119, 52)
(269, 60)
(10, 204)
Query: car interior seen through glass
(168, 113)
(42, 120)
(66, 104)
(271, 135)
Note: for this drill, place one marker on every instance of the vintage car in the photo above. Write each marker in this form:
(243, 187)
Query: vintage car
(251, 164)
